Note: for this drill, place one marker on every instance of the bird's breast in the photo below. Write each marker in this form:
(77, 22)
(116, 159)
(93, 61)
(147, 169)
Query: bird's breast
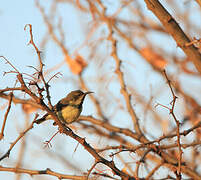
(69, 114)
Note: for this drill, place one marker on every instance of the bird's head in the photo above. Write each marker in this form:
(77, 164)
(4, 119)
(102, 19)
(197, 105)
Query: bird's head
(76, 97)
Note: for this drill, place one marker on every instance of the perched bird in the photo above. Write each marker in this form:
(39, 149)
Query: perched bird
(67, 109)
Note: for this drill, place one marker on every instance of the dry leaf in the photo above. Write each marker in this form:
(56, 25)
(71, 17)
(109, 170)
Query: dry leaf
(153, 58)
(28, 108)
(76, 65)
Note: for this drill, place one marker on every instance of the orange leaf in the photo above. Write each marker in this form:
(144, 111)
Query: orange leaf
(156, 60)
(28, 108)
(76, 65)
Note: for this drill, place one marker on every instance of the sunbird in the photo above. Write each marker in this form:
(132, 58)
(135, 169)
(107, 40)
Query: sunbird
(67, 109)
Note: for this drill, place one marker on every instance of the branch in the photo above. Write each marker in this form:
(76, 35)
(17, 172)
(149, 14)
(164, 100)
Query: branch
(39, 172)
(175, 31)
(98, 158)
(118, 71)
(6, 115)
(178, 125)
(41, 64)
(17, 100)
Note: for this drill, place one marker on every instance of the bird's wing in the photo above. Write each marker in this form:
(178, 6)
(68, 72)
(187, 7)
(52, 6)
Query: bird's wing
(59, 106)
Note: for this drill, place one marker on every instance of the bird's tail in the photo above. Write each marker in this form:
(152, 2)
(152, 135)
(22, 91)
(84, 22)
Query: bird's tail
(41, 120)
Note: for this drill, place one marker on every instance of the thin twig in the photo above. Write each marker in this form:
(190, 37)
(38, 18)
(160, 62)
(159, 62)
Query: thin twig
(154, 170)
(39, 172)
(177, 123)
(89, 171)
(6, 115)
(41, 64)
(34, 45)
(7, 61)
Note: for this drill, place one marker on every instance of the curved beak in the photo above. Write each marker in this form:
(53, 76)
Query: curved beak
(89, 92)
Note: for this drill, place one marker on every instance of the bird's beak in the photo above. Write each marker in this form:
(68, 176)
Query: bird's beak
(89, 92)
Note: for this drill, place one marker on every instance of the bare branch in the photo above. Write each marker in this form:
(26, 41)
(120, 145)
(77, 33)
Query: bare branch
(6, 115)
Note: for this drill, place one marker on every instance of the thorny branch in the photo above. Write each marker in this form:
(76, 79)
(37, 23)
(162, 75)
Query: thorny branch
(178, 126)
(40, 62)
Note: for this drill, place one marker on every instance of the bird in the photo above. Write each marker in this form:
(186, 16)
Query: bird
(67, 109)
